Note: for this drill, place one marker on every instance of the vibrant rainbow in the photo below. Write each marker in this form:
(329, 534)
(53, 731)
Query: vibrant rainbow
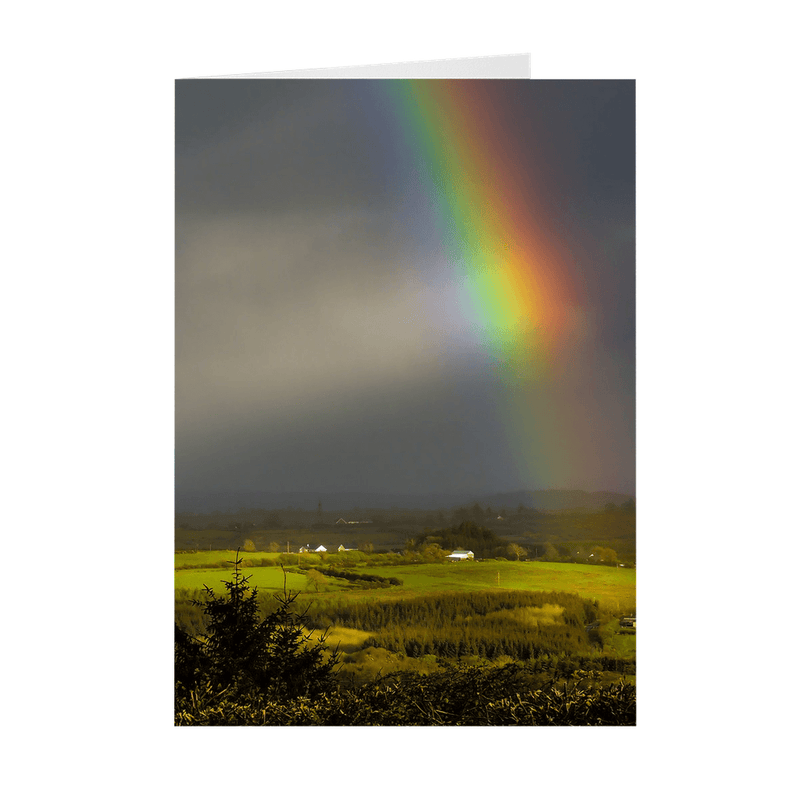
(495, 234)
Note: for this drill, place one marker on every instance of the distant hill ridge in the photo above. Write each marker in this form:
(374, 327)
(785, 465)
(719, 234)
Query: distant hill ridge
(554, 499)
(543, 499)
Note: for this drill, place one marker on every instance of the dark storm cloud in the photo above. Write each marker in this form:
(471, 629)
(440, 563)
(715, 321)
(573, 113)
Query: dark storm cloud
(397, 437)
(586, 131)
(279, 147)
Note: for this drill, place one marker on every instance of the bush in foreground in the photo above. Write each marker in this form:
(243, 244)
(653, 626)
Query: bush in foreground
(474, 696)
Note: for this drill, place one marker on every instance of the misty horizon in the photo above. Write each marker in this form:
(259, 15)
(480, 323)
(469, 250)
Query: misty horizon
(543, 499)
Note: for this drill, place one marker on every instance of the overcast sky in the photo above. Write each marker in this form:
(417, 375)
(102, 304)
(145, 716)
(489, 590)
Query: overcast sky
(320, 340)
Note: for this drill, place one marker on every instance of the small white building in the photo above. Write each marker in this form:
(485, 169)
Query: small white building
(321, 549)
(461, 555)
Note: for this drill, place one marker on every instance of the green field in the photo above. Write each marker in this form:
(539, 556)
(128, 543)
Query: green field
(265, 579)
(614, 589)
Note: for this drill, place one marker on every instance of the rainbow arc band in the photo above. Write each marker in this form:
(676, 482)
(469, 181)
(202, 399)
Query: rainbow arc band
(495, 239)
(496, 231)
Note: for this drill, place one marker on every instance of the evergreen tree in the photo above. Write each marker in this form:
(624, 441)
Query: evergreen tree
(274, 656)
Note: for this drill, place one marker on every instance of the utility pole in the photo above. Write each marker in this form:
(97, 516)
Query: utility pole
(498, 578)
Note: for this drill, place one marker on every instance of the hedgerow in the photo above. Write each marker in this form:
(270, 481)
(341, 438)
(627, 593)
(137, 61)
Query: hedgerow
(474, 696)
(361, 578)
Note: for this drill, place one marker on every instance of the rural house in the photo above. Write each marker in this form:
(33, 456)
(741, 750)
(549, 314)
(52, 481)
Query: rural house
(307, 549)
(461, 555)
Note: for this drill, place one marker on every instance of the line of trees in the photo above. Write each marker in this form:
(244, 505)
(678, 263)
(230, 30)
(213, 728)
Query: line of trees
(358, 578)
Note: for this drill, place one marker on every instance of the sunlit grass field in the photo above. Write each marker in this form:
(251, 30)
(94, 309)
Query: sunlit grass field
(265, 579)
(609, 586)
(614, 589)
